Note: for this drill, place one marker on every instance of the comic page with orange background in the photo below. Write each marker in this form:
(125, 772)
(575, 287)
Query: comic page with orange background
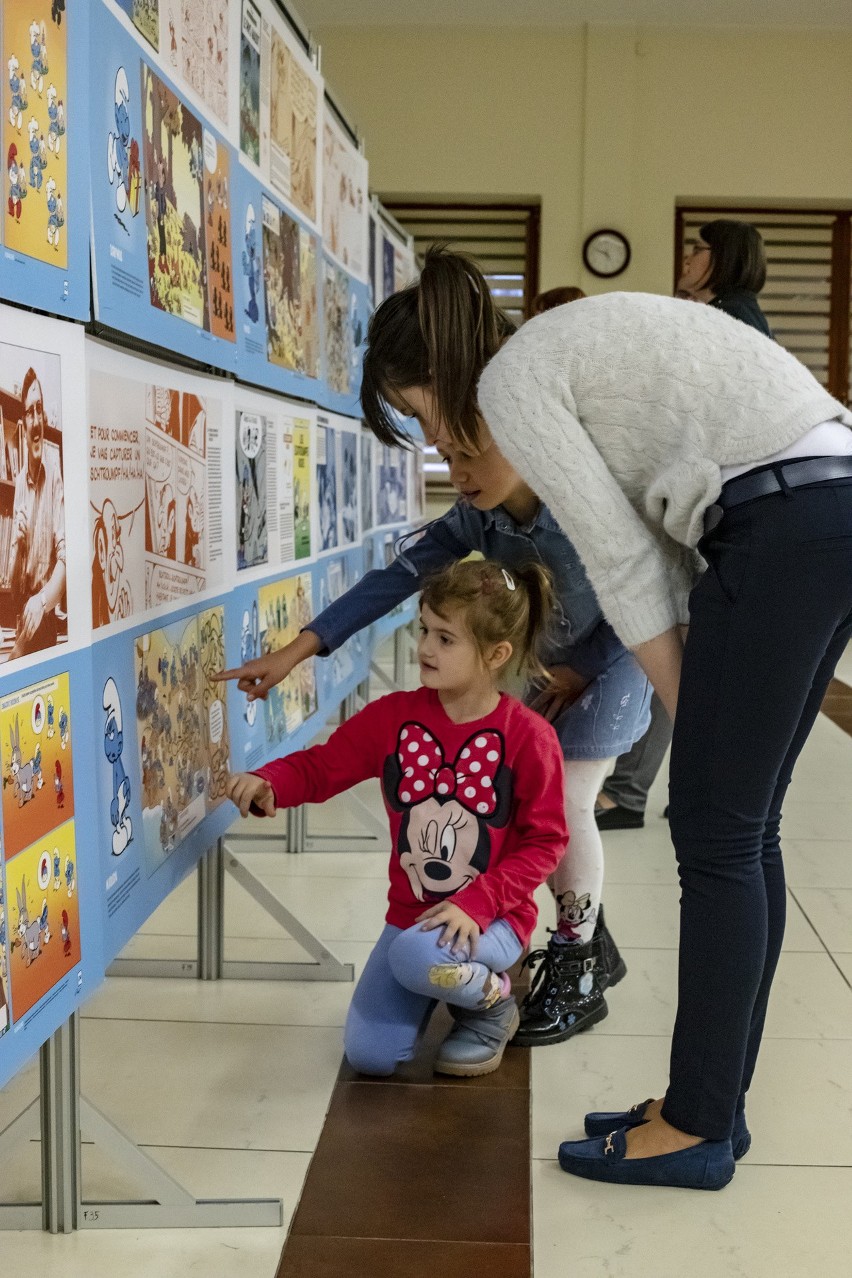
(35, 127)
(42, 917)
(38, 771)
(217, 239)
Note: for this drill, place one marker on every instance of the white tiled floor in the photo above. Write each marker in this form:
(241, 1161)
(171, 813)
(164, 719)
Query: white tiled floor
(227, 1084)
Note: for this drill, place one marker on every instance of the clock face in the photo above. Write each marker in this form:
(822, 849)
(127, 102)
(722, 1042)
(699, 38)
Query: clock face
(606, 253)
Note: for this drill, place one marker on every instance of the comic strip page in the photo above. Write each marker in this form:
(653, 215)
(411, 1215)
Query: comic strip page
(41, 913)
(35, 126)
(154, 460)
(345, 199)
(285, 607)
(281, 106)
(182, 729)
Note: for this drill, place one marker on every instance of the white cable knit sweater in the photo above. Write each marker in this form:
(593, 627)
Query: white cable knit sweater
(619, 410)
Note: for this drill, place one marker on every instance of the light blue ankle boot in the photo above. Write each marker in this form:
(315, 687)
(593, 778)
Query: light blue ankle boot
(476, 1043)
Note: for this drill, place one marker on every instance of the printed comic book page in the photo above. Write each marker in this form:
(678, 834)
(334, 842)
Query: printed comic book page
(345, 201)
(35, 125)
(39, 911)
(182, 729)
(281, 103)
(154, 489)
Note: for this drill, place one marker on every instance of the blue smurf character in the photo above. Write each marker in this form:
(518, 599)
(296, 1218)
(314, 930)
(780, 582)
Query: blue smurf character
(57, 870)
(251, 264)
(118, 155)
(18, 91)
(56, 121)
(63, 727)
(55, 216)
(44, 922)
(122, 830)
(38, 48)
(51, 717)
(69, 875)
(37, 161)
(38, 779)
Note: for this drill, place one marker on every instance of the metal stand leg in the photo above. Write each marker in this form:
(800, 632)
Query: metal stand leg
(326, 966)
(65, 1115)
(22, 1129)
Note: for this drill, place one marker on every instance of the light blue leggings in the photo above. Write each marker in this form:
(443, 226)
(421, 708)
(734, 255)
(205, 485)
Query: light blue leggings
(406, 975)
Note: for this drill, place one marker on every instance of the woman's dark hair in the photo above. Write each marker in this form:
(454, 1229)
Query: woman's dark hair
(556, 297)
(737, 256)
(439, 332)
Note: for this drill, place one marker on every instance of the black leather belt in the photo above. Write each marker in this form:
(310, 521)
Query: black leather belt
(776, 478)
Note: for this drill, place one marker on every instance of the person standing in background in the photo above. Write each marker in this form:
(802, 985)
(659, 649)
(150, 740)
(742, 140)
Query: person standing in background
(556, 297)
(725, 268)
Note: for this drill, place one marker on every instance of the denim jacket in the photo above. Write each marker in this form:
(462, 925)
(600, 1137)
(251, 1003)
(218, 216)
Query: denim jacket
(579, 636)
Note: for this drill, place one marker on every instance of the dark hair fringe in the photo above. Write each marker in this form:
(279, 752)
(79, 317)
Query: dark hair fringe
(440, 333)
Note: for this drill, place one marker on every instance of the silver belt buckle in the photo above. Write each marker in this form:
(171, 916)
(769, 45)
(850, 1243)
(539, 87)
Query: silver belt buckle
(712, 518)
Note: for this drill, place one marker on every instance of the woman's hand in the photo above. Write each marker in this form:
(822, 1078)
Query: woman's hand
(258, 676)
(245, 789)
(562, 692)
(460, 932)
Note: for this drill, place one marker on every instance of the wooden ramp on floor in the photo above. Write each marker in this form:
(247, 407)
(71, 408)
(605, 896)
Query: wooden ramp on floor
(419, 1175)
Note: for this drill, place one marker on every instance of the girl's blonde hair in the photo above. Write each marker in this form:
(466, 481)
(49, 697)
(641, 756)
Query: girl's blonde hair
(500, 605)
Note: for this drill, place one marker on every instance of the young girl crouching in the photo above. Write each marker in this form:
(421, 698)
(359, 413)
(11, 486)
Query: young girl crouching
(473, 784)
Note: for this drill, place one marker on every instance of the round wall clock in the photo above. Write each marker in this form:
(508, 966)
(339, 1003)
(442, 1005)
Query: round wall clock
(606, 253)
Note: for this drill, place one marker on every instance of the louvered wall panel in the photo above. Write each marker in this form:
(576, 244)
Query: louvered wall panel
(797, 298)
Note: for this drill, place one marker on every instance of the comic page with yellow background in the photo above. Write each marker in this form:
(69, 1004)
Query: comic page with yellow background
(35, 93)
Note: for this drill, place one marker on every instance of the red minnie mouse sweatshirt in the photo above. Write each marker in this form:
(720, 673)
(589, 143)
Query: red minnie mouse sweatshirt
(477, 810)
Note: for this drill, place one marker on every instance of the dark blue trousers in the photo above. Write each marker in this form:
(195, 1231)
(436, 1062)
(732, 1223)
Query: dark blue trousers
(769, 621)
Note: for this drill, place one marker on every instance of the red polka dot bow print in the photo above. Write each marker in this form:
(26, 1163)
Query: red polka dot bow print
(469, 780)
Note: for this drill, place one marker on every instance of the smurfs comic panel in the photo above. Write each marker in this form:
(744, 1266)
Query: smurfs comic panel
(281, 279)
(251, 448)
(302, 486)
(327, 485)
(43, 918)
(37, 760)
(285, 607)
(349, 486)
(217, 238)
(173, 161)
(338, 331)
(148, 494)
(4, 957)
(250, 39)
(182, 729)
(194, 39)
(35, 124)
(145, 16)
(345, 200)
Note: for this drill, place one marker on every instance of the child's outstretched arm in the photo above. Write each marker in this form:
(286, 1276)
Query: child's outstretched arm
(374, 596)
(353, 753)
(247, 791)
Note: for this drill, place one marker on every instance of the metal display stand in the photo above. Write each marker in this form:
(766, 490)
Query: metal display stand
(63, 1116)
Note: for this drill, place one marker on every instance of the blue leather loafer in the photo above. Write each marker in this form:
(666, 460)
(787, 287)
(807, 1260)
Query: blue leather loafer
(709, 1165)
(603, 1122)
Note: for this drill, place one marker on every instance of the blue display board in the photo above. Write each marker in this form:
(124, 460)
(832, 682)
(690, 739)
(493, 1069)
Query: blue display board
(44, 224)
(278, 292)
(161, 180)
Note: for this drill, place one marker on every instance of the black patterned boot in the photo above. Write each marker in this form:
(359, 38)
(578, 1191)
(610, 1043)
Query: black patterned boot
(566, 995)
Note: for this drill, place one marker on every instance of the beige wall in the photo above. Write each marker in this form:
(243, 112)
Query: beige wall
(608, 125)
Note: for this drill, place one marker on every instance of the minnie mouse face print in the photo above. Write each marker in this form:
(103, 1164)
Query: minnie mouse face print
(450, 808)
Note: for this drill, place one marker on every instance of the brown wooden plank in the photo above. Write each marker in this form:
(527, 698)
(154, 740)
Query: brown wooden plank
(400, 1258)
